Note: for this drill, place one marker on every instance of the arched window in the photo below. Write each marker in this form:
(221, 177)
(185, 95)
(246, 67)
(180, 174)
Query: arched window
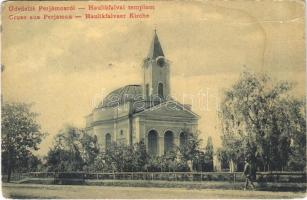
(153, 143)
(160, 90)
(168, 141)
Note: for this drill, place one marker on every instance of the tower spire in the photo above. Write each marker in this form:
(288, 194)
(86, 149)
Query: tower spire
(156, 69)
(155, 49)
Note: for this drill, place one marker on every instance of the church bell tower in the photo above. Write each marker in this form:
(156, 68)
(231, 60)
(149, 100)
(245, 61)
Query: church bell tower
(156, 86)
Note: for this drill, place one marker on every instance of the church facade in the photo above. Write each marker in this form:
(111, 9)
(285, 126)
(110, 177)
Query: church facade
(145, 112)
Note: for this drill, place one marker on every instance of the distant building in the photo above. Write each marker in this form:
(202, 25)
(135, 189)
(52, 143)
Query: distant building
(144, 112)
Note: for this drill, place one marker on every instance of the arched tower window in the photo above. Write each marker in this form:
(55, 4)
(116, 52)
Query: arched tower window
(160, 90)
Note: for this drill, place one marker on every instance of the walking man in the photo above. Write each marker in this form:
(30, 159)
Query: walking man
(248, 173)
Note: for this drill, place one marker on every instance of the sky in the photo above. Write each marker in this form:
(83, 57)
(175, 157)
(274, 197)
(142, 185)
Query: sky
(66, 67)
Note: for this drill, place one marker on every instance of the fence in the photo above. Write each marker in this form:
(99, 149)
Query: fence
(295, 177)
(15, 176)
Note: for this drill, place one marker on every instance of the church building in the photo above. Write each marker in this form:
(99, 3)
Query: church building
(144, 112)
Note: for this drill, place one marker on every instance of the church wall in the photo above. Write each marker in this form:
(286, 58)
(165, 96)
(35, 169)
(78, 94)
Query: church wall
(119, 131)
(90, 131)
(88, 120)
(122, 132)
(101, 130)
(138, 129)
(141, 126)
(111, 112)
(102, 121)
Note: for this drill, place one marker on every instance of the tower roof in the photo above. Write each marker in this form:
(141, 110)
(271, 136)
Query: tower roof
(155, 48)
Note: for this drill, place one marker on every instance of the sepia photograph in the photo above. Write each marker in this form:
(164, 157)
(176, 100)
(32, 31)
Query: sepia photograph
(153, 99)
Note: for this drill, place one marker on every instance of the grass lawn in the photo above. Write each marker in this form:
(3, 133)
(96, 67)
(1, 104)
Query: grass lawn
(225, 185)
(89, 191)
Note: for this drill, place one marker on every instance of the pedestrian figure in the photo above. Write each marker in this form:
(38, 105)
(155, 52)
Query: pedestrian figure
(249, 175)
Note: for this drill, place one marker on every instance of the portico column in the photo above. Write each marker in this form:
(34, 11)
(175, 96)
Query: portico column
(146, 141)
(161, 144)
(176, 140)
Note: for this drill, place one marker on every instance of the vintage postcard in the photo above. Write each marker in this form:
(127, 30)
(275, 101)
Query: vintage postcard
(153, 99)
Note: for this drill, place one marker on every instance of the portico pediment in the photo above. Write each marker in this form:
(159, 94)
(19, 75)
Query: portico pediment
(170, 109)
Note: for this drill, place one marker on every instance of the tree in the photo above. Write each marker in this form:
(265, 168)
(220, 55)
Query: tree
(21, 134)
(100, 164)
(208, 156)
(297, 156)
(125, 158)
(259, 118)
(58, 160)
(73, 150)
(189, 151)
(28, 163)
(90, 150)
(140, 155)
(115, 157)
(169, 161)
(154, 164)
(222, 156)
